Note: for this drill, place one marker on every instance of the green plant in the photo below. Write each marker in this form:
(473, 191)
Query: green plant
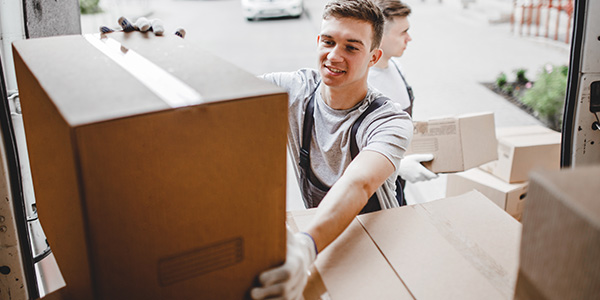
(501, 80)
(547, 95)
(521, 78)
(89, 6)
(508, 89)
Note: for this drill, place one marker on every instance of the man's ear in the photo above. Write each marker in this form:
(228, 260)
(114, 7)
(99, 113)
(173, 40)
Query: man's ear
(375, 56)
(318, 39)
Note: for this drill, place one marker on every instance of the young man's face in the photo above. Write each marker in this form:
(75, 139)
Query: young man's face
(344, 48)
(395, 37)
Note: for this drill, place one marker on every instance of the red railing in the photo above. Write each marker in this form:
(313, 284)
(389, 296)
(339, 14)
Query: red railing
(543, 13)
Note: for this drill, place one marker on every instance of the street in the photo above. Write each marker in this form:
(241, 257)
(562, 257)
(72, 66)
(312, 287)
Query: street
(269, 45)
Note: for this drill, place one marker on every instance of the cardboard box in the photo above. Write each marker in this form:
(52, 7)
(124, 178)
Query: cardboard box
(142, 195)
(561, 236)
(457, 143)
(462, 247)
(510, 197)
(522, 149)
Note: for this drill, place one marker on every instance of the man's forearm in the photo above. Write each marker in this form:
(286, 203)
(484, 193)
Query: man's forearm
(348, 196)
(343, 202)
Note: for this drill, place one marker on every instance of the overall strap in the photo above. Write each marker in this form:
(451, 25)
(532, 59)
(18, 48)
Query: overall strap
(373, 106)
(409, 90)
(307, 127)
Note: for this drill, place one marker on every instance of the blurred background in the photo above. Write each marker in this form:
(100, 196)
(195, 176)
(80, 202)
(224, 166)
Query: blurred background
(466, 55)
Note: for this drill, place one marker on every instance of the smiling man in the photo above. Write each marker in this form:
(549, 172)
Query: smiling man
(341, 170)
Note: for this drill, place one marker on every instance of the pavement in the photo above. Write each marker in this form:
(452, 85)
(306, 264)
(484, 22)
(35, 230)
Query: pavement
(455, 48)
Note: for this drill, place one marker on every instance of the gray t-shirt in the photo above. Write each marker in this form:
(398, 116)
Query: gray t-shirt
(387, 130)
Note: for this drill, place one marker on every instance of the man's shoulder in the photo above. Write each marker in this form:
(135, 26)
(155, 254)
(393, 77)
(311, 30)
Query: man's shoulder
(300, 76)
(387, 108)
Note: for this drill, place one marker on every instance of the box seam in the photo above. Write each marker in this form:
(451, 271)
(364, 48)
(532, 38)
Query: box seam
(386, 258)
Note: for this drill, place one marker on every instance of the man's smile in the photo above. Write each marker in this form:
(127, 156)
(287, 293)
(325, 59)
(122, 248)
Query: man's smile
(334, 70)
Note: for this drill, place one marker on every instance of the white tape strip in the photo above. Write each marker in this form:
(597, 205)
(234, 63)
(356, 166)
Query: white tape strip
(166, 86)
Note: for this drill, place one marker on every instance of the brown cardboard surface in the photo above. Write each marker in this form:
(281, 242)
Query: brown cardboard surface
(457, 143)
(477, 139)
(455, 248)
(522, 130)
(510, 197)
(523, 149)
(352, 267)
(463, 247)
(140, 200)
(561, 236)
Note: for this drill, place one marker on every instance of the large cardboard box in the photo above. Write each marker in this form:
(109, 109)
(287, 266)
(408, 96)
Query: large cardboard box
(457, 143)
(510, 197)
(522, 149)
(144, 190)
(461, 247)
(561, 236)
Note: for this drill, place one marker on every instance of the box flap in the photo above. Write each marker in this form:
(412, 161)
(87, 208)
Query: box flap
(537, 139)
(522, 130)
(352, 267)
(577, 189)
(61, 62)
(455, 248)
(490, 180)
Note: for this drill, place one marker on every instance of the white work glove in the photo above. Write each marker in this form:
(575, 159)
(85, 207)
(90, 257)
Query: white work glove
(143, 25)
(288, 280)
(413, 171)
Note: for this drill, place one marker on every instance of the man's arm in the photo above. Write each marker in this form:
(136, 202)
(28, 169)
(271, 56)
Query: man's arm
(348, 196)
(342, 203)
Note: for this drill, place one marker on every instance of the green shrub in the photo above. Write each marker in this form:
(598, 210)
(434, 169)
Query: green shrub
(89, 6)
(547, 95)
(508, 89)
(501, 80)
(521, 78)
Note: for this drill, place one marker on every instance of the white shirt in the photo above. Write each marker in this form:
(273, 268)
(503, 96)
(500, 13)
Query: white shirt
(389, 82)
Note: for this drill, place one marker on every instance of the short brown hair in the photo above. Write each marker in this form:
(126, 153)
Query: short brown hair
(393, 8)
(362, 10)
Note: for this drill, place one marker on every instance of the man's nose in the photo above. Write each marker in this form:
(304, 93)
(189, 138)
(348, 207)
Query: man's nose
(334, 54)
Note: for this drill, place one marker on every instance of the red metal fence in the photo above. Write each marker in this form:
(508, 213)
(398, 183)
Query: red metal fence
(547, 15)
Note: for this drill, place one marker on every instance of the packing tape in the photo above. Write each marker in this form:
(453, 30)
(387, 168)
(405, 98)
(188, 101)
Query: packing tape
(166, 86)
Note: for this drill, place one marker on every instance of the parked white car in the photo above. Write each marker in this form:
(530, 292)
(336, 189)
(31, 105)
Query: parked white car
(254, 9)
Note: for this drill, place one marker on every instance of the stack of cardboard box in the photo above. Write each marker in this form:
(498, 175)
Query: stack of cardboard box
(505, 180)
(462, 247)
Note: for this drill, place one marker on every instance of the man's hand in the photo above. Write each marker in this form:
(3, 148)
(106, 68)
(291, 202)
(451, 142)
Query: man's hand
(288, 281)
(413, 171)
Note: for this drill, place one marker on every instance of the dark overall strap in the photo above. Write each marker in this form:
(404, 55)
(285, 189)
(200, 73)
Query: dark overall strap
(373, 106)
(409, 89)
(373, 204)
(307, 127)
